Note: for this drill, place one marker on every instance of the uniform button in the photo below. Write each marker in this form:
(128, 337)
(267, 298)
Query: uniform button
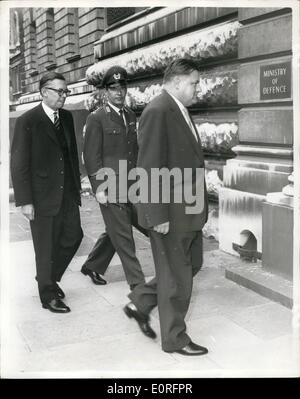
(61, 186)
(60, 159)
(129, 152)
(128, 142)
(61, 172)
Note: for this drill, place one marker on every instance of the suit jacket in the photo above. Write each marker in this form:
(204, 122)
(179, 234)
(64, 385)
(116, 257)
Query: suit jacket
(166, 141)
(37, 164)
(107, 141)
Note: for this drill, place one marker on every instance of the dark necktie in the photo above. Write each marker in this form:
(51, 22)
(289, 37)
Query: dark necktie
(56, 120)
(122, 114)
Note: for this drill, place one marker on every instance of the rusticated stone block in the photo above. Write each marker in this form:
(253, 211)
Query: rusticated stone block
(249, 81)
(265, 37)
(251, 12)
(272, 125)
(95, 25)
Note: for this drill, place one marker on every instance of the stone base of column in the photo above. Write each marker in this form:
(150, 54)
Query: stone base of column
(269, 285)
(277, 237)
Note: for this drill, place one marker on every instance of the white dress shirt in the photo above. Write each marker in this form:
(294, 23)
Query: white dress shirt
(49, 112)
(118, 111)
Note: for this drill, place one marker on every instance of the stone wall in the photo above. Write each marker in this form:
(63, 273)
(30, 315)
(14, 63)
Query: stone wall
(60, 39)
(264, 154)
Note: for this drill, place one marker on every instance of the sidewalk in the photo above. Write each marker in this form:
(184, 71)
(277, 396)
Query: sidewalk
(247, 335)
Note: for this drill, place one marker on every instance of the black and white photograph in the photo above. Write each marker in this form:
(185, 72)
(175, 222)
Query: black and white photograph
(150, 191)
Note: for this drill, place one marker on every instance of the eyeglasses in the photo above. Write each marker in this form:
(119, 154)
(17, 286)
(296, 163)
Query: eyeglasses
(60, 92)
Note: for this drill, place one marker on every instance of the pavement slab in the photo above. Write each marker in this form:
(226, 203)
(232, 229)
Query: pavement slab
(241, 353)
(267, 320)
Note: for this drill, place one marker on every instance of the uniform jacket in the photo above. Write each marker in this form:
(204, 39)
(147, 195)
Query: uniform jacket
(166, 141)
(107, 141)
(37, 164)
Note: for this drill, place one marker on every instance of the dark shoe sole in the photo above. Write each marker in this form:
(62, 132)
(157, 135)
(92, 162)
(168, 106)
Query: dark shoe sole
(86, 273)
(56, 310)
(131, 315)
(181, 352)
(186, 353)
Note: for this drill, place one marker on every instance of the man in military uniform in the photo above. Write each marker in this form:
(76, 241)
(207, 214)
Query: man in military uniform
(111, 137)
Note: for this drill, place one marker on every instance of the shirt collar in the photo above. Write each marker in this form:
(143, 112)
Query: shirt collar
(116, 108)
(49, 111)
(179, 103)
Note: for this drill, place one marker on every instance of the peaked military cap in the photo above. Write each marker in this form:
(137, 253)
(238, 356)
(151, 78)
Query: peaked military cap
(114, 74)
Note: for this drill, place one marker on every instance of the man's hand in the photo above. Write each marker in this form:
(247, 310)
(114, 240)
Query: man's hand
(162, 228)
(28, 211)
(101, 197)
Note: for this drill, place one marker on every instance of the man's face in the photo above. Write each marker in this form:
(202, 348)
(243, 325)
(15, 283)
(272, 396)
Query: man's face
(53, 95)
(187, 88)
(116, 94)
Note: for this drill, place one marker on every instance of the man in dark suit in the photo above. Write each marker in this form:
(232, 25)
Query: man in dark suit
(168, 139)
(110, 137)
(46, 182)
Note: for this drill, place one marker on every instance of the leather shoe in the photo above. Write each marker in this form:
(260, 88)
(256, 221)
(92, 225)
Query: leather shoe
(56, 306)
(142, 320)
(95, 277)
(192, 349)
(59, 292)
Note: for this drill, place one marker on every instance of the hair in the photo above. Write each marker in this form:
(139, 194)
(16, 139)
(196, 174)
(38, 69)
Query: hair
(181, 66)
(48, 77)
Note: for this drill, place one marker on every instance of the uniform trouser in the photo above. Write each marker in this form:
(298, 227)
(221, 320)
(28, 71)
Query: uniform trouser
(177, 258)
(104, 250)
(55, 240)
(118, 219)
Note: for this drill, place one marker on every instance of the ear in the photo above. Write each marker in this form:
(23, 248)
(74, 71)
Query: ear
(177, 81)
(43, 92)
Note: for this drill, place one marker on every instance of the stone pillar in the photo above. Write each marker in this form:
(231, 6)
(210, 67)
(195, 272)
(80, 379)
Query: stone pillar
(264, 154)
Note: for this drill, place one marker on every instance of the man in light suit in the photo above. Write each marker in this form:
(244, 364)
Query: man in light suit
(46, 182)
(168, 138)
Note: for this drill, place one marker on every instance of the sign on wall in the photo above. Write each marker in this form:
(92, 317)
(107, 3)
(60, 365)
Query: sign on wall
(275, 81)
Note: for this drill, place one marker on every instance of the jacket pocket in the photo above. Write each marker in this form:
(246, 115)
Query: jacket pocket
(43, 174)
(112, 131)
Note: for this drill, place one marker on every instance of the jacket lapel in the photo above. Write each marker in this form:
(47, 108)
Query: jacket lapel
(115, 117)
(185, 127)
(47, 124)
(65, 128)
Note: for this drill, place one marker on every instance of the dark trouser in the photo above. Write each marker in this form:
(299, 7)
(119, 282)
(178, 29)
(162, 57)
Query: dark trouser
(177, 258)
(103, 251)
(100, 256)
(56, 240)
(118, 219)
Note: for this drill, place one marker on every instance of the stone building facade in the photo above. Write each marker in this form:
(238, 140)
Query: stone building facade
(58, 39)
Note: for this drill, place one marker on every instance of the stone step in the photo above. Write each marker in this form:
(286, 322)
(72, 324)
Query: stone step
(269, 285)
